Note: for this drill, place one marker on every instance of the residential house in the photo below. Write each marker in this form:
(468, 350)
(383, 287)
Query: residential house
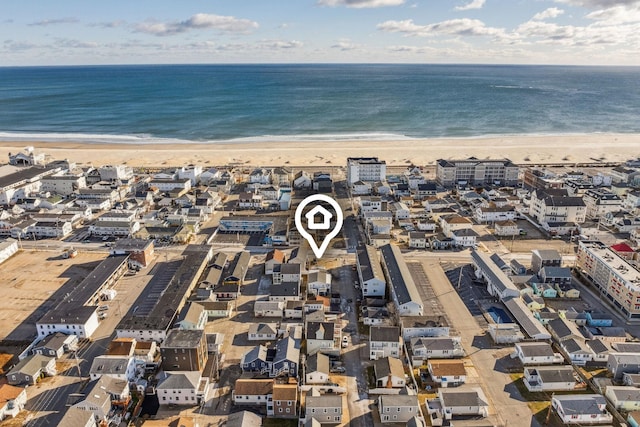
(252, 391)
(556, 206)
(581, 409)
(505, 333)
(262, 332)
(301, 180)
(181, 388)
(555, 275)
(418, 240)
(447, 373)
(285, 401)
(55, 345)
(599, 202)
(423, 326)
(506, 228)
(243, 419)
(30, 369)
(384, 341)
(398, 408)
(545, 258)
(274, 256)
(323, 337)
(184, 350)
(256, 360)
(537, 353)
(266, 308)
(118, 367)
(324, 409)
(192, 316)
(77, 417)
(549, 378)
(12, 400)
(454, 222)
(389, 373)
(484, 214)
(425, 348)
(624, 398)
(619, 364)
(319, 283)
(461, 402)
(317, 369)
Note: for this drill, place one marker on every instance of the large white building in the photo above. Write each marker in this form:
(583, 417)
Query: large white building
(473, 171)
(615, 277)
(555, 205)
(367, 169)
(403, 289)
(600, 202)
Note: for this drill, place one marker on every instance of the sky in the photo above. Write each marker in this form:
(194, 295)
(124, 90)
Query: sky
(74, 32)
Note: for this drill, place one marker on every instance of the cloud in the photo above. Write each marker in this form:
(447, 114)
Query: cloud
(45, 22)
(475, 4)
(460, 27)
(552, 12)
(345, 45)
(112, 24)
(597, 4)
(226, 24)
(361, 4)
(280, 44)
(616, 14)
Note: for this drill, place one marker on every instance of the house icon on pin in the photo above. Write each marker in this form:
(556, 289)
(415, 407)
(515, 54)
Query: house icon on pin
(315, 213)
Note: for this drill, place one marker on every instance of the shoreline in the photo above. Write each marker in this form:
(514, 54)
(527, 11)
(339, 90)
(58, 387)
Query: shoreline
(574, 148)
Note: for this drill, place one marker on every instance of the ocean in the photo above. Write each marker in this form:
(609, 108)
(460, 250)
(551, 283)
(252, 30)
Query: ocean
(212, 103)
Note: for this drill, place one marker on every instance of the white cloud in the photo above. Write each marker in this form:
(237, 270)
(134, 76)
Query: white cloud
(616, 14)
(460, 27)
(475, 4)
(46, 22)
(361, 4)
(345, 45)
(227, 24)
(552, 12)
(280, 44)
(599, 3)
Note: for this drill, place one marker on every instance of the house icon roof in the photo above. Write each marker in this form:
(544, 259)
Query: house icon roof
(314, 213)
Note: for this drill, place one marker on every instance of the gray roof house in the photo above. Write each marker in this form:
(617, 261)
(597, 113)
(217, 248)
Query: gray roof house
(325, 409)
(398, 408)
(31, 368)
(403, 289)
(317, 370)
(623, 363)
(581, 409)
(549, 378)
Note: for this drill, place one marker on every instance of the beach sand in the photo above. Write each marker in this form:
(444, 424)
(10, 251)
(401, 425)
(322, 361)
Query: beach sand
(519, 149)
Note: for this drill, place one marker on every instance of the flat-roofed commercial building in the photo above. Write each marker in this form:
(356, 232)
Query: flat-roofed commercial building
(615, 277)
(367, 169)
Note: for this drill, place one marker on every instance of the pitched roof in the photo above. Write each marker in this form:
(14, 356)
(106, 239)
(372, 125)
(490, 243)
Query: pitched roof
(174, 380)
(554, 374)
(535, 349)
(8, 393)
(581, 404)
(388, 365)
(384, 333)
(400, 278)
(285, 392)
(456, 398)
(318, 363)
(441, 367)
(253, 387)
(369, 262)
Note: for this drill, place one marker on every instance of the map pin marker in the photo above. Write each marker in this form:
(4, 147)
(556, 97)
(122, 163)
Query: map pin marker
(318, 218)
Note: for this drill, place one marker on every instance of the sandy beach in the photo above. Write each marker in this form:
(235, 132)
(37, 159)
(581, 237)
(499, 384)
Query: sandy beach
(520, 149)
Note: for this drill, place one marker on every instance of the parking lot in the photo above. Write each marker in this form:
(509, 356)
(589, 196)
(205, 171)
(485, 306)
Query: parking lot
(429, 298)
(32, 283)
(472, 293)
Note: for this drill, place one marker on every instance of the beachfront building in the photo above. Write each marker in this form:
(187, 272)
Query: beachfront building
(616, 278)
(473, 171)
(367, 169)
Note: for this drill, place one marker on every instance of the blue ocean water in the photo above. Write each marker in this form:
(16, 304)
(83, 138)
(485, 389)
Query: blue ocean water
(175, 103)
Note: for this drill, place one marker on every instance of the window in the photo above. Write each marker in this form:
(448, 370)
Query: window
(288, 411)
(280, 410)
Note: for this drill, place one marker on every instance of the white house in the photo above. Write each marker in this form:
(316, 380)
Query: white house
(549, 378)
(384, 341)
(447, 373)
(319, 282)
(624, 397)
(317, 369)
(12, 400)
(268, 308)
(262, 332)
(389, 373)
(181, 388)
(398, 408)
(370, 272)
(537, 353)
(418, 240)
(506, 228)
(581, 409)
(424, 348)
(122, 368)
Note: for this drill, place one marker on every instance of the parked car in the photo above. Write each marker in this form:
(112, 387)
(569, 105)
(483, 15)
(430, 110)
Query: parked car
(338, 370)
(103, 308)
(345, 342)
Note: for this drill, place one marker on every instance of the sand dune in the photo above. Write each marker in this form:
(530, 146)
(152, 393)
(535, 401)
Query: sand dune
(520, 149)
